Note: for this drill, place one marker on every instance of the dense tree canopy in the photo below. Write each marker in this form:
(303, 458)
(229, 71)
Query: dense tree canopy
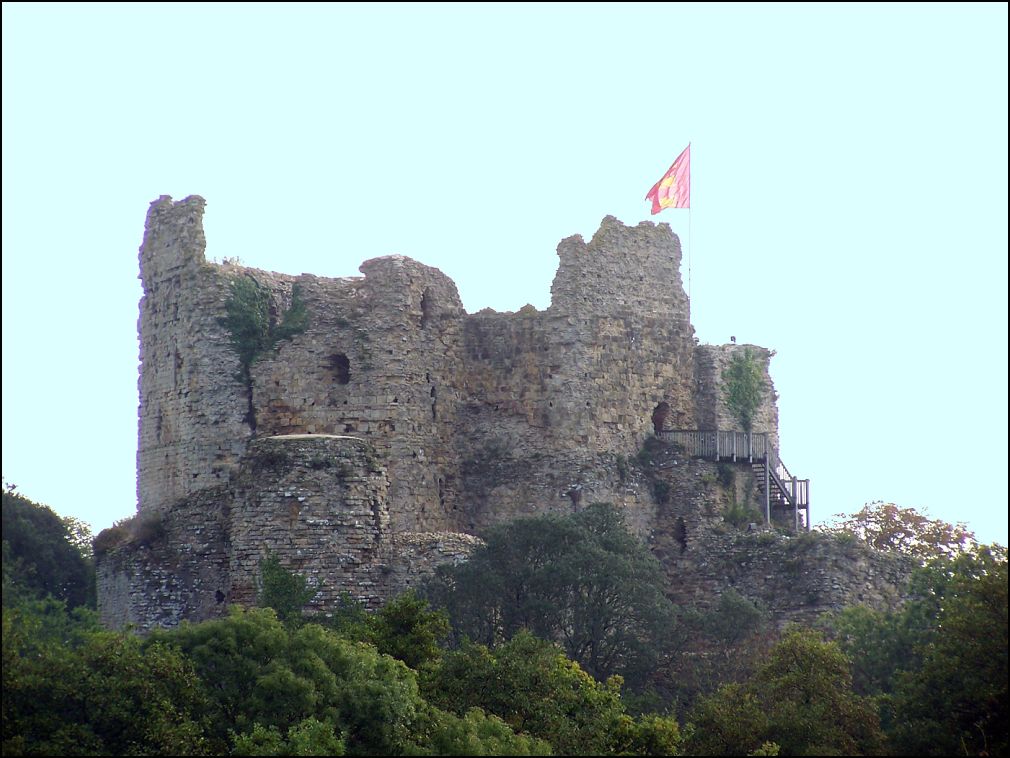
(536, 689)
(69, 689)
(800, 698)
(584, 581)
(957, 699)
(928, 677)
(260, 672)
(243, 685)
(45, 554)
(723, 645)
(939, 663)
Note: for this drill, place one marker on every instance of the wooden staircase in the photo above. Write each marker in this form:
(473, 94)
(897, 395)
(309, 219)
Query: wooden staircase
(782, 491)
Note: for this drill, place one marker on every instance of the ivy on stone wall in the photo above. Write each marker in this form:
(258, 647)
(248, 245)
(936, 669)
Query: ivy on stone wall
(249, 321)
(744, 388)
(295, 319)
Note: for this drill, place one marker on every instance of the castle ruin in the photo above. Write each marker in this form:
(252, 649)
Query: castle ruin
(376, 441)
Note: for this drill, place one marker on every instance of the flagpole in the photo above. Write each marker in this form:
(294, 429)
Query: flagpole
(689, 267)
(689, 238)
(673, 190)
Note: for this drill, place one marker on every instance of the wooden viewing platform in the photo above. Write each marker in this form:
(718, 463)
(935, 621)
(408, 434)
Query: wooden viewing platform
(780, 488)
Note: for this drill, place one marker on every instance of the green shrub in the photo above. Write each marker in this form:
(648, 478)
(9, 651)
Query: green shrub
(249, 322)
(744, 388)
(295, 319)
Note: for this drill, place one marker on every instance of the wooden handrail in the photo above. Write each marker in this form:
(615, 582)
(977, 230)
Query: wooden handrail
(749, 446)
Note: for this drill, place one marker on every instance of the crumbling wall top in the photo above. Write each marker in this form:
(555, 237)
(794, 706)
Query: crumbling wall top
(401, 279)
(621, 270)
(173, 238)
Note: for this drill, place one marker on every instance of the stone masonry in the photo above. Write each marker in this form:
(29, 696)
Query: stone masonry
(376, 443)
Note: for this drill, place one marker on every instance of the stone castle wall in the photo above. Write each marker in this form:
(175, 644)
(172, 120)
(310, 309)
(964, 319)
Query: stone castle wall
(372, 446)
(192, 431)
(706, 548)
(712, 413)
(377, 361)
(173, 567)
(393, 357)
(318, 503)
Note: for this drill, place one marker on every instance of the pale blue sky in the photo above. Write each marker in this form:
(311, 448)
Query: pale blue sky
(849, 200)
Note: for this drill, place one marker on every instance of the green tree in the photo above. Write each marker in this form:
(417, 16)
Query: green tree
(734, 619)
(955, 701)
(408, 630)
(248, 320)
(260, 672)
(284, 591)
(252, 323)
(732, 721)
(801, 698)
(308, 737)
(744, 388)
(884, 644)
(45, 554)
(724, 645)
(938, 664)
(474, 733)
(649, 734)
(880, 644)
(885, 526)
(583, 581)
(71, 690)
(532, 686)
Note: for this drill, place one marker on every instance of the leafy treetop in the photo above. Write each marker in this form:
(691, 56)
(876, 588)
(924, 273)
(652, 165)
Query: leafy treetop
(45, 554)
(583, 581)
(885, 526)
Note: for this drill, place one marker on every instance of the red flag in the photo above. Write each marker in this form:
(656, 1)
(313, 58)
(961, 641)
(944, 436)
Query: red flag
(674, 189)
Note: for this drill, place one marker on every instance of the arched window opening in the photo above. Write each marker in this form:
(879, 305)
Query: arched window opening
(660, 416)
(339, 368)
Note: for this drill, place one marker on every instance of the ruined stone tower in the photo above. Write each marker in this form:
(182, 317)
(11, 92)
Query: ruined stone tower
(372, 443)
(393, 358)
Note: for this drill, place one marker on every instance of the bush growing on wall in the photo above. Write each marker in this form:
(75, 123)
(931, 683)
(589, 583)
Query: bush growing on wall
(250, 325)
(744, 388)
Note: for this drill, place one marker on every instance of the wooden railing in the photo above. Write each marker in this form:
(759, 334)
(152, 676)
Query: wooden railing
(780, 486)
(719, 445)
